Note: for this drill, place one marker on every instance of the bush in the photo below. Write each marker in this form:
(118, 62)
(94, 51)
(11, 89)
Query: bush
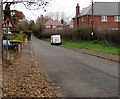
(84, 34)
(109, 36)
(20, 37)
(15, 31)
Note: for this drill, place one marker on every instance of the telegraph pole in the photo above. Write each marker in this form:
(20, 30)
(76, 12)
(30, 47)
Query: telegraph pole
(1, 36)
(92, 17)
(1, 32)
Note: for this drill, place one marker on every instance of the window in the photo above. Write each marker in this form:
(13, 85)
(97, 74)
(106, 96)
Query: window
(117, 18)
(71, 26)
(47, 26)
(104, 18)
(54, 26)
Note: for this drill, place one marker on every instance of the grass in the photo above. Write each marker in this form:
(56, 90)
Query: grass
(109, 49)
(99, 47)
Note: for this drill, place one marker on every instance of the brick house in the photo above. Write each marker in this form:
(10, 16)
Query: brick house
(70, 24)
(105, 16)
(53, 24)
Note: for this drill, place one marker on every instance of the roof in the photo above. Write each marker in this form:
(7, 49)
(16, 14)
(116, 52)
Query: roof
(53, 22)
(101, 8)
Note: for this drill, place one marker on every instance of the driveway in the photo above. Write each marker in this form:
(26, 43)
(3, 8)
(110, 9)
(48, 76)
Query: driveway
(76, 73)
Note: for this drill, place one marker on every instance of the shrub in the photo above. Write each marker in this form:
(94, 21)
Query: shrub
(84, 34)
(20, 37)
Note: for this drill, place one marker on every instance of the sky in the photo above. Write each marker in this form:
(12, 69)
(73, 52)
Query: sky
(66, 6)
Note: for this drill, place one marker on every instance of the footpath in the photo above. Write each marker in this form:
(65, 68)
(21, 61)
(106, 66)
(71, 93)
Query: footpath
(1, 78)
(24, 78)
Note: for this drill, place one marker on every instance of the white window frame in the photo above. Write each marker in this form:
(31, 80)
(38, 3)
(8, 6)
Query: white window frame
(54, 26)
(47, 26)
(117, 18)
(104, 18)
(71, 26)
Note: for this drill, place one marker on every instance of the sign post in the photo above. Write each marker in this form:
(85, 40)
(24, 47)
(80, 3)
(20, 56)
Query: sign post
(7, 24)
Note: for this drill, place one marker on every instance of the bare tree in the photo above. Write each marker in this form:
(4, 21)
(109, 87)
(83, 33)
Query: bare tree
(30, 4)
(57, 16)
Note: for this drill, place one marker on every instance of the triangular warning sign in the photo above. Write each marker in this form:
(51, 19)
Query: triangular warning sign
(7, 24)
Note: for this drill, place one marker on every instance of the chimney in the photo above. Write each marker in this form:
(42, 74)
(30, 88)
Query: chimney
(77, 9)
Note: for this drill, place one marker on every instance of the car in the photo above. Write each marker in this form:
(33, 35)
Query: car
(56, 40)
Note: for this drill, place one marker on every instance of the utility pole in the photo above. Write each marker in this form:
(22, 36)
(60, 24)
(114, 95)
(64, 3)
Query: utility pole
(1, 36)
(1, 32)
(92, 17)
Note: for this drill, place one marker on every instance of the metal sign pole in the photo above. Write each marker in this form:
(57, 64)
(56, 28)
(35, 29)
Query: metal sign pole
(7, 44)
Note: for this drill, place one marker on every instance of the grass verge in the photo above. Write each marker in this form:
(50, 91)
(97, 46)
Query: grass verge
(109, 49)
(99, 47)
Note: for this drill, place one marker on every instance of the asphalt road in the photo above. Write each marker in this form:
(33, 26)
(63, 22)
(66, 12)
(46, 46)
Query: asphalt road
(77, 74)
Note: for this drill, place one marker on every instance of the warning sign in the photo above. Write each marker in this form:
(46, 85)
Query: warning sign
(7, 24)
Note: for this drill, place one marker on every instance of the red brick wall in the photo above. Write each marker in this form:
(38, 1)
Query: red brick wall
(97, 23)
(110, 23)
(75, 22)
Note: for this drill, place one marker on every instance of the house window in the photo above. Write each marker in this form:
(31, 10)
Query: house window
(103, 18)
(54, 26)
(71, 26)
(47, 26)
(117, 18)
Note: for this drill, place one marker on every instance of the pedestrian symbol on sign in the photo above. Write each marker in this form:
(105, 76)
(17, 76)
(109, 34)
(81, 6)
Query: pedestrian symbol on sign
(7, 24)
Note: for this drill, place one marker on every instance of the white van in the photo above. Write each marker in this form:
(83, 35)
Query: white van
(56, 39)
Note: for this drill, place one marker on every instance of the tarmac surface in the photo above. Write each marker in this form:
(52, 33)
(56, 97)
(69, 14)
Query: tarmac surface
(78, 73)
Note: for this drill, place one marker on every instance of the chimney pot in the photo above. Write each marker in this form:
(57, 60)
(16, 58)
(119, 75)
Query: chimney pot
(77, 9)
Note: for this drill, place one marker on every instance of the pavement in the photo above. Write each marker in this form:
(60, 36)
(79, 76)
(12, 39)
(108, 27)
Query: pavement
(0, 78)
(26, 52)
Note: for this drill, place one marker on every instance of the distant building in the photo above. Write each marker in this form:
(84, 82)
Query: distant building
(105, 16)
(53, 24)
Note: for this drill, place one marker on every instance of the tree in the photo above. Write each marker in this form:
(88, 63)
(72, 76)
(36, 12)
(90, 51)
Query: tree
(7, 12)
(16, 16)
(31, 24)
(58, 16)
(22, 25)
(39, 26)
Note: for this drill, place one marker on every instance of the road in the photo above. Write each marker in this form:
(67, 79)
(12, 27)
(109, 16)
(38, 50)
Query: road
(77, 74)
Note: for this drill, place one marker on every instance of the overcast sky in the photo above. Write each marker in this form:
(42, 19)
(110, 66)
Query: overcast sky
(66, 6)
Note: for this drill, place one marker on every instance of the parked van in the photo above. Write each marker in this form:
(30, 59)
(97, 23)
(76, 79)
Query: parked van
(56, 39)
